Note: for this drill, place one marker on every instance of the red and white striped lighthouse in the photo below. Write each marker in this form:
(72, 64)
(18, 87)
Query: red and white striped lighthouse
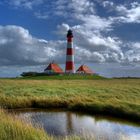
(70, 68)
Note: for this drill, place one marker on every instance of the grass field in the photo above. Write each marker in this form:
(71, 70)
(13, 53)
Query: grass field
(117, 97)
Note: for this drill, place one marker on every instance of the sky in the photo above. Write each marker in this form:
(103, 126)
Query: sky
(106, 35)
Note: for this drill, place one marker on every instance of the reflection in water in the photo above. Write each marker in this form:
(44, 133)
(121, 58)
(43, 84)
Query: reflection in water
(68, 123)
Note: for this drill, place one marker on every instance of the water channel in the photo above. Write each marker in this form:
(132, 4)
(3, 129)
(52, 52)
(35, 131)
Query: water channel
(65, 123)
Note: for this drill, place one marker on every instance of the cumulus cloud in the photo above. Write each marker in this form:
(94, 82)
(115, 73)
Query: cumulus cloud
(94, 47)
(133, 52)
(107, 3)
(124, 12)
(129, 15)
(83, 12)
(17, 47)
(62, 29)
(39, 15)
(76, 7)
(29, 4)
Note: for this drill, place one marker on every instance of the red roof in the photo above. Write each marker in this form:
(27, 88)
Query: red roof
(84, 69)
(53, 67)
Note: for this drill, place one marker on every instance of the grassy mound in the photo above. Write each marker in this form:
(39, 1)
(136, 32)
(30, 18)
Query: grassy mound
(64, 77)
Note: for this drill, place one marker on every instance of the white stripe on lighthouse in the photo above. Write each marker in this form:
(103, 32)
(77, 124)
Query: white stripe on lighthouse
(70, 58)
(69, 45)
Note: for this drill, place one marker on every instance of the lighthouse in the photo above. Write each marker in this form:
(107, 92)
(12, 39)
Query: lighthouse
(70, 68)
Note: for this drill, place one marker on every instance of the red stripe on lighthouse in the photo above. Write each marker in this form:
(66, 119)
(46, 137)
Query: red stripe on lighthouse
(69, 39)
(69, 65)
(70, 51)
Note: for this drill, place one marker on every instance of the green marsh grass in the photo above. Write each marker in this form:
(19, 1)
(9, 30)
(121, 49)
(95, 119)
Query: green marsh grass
(116, 97)
(14, 129)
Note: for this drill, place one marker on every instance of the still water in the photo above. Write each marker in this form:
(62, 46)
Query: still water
(63, 123)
